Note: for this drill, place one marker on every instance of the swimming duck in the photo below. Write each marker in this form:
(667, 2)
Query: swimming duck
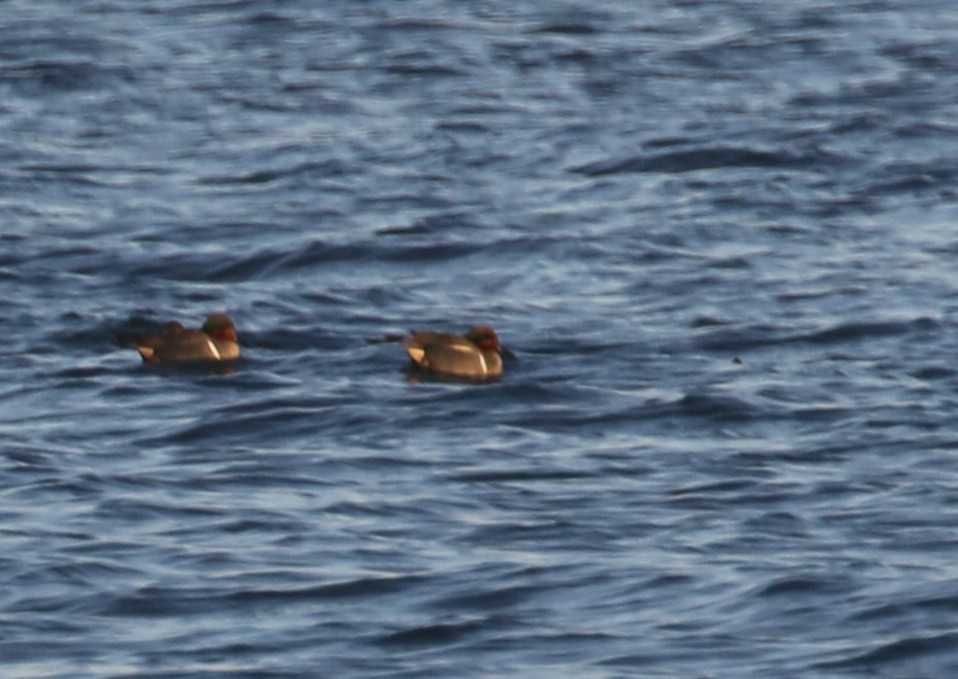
(215, 341)
(477, 355)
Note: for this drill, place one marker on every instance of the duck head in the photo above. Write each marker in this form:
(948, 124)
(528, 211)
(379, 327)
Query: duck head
(220, 327)
(485, 338)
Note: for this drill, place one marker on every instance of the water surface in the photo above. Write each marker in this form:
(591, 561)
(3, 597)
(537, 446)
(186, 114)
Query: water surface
(717, 236)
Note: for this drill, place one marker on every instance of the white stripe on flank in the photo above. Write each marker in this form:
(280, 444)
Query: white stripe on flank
(216, 352)
(482, 362)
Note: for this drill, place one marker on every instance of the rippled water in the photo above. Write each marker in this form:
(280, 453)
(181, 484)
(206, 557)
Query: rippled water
(718, 236)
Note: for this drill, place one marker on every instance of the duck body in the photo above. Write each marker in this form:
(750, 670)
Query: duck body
(215, 341)
(475, 355)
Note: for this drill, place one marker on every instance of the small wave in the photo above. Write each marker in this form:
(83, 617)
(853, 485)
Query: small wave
(430, 635)
(720, 407)
(308, 170)
(512, 476)
(756, 336)
(899, 652)
(696, 159)
(802, 585)
(62, 75)
(160, 601)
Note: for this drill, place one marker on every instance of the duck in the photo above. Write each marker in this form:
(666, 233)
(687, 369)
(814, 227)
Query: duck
(216, 340)
(477, 355)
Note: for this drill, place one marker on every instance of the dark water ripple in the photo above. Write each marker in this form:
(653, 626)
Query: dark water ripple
(718, 238)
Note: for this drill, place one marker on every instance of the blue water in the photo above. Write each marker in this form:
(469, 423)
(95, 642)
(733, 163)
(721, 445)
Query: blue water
(720, 238)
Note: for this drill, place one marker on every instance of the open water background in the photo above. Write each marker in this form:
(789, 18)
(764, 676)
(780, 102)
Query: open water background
(719, 236)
